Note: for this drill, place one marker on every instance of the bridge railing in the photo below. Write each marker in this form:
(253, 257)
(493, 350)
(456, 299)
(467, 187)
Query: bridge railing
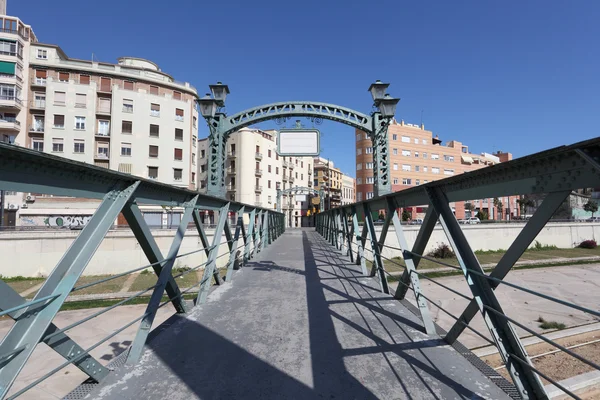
(555, 173)
(24, 170)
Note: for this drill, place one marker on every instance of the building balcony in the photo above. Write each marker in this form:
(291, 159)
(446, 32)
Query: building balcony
(310, 171)
(258, 188)
(258, 172)
(10, 79)
(10, 102)
(37, 104)
(103, 135)
(38, 82)
(179, 118)
(230, 171)
(10, 125)
(154, 113)
(231, 154)
(291, 165)
(107, 89)
(292, 179)
(258, 156)
(285, 178)
(101, 156)
(258, 203)
(37, 128)
(99, 110)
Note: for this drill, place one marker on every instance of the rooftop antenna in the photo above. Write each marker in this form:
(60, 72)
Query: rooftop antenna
(421, 117)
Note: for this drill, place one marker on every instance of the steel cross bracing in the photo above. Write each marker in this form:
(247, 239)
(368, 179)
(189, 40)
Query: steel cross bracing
(26, 170)
(555, 172)
(222, 126)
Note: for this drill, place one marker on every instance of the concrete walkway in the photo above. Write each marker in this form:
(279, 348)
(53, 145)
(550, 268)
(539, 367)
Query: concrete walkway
(299, 322)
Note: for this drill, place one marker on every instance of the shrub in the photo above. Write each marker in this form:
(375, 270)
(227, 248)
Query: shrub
(538, 246)
(550, 324)
(588, 244)
(441, 251)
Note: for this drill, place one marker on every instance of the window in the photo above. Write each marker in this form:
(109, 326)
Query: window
(59, 121)
(395, 152)
(153, 151)
(155, 110)
(176, 95)
(425, 142)
(405, 139)
(276, 170)
(395, 167)
(37, 145)
(126, 149)
(406, 167)
(424, 169)
(84, 79)
(80, 123)
(40, 76)
(153, 89)
(358, 168)
(448, 171)
(406, 181)
(126, 127)
(435, 156)
(395, 181)
(435, 170)
(369, 150)
(79, 146)
(276, 156)
(103, 127)
(177, 174)
(194, 140)
(448, 158)
(153, 172)
(269, 168)
(258, 149)
(178, 114)
(105, 84)
(57, 145)
(38, 123)
(369, 165)
(369, 195)
(128, 85)
(178, 134)
(63, 77)
(127, 105)
(153, 130)
(359, 181)
(416, 154)
(406, 153)
(358, 196)
(358, 152)
(425, 155)
(193, 177)
(417, 168)
(42, 54)
(193, 158)
(301, 164)
(178, 154)
(394, 137)
(60, 98)
(194, 122)
(269, 184)
(80, 100)
(102, 150)
(203, 154)
(269, 153)
(370, 180)
(417, 182)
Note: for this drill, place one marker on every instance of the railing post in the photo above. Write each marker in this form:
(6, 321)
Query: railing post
(249, 239)
(512, 255)
(27, 332)
(258, 232)
(377, 262)
(503, 334)
(233, 245)
(211, 265)
(418, 248)
(410, 267)
(347, 235)
(265, 231)
(360, 241)
(137, 346)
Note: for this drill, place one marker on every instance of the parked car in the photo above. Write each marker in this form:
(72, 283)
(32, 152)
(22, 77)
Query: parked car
(463, 221)
(594, 219)
(473, 221)
(416, 221)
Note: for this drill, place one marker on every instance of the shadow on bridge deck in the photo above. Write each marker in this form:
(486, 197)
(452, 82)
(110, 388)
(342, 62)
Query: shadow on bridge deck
(299, 322)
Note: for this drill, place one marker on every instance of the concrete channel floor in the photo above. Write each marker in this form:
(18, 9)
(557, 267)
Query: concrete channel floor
(298, 322)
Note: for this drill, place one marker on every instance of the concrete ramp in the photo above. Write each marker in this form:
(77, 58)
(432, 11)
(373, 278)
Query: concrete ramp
(298, 322)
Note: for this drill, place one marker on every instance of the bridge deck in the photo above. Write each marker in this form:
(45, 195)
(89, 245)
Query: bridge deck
(299, 322)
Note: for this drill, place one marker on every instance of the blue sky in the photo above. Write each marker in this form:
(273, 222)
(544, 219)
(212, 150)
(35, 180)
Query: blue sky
(513, 76)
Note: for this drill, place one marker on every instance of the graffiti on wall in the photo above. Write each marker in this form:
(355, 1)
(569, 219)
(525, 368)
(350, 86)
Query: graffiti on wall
(56, 221)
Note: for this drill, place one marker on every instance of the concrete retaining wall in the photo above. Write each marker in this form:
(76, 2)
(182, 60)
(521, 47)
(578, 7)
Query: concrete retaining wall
(36, 253)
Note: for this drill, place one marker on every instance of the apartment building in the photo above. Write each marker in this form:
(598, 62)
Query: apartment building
(418, 157)
(329, 179)
(348, 189)
(129, 116)
(254, 170)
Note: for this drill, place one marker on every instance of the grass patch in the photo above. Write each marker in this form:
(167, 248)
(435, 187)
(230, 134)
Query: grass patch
(79, 305)
(20, 284)
(550, 324)
(112, 286)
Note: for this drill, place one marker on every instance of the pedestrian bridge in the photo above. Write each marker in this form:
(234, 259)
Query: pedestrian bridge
(297, 313)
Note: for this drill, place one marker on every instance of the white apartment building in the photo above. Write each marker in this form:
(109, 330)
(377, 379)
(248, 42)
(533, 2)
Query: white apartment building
(348, 189)
(253, 170)
(130, 117)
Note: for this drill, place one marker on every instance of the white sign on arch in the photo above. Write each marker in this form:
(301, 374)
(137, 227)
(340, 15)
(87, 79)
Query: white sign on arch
(298, 142)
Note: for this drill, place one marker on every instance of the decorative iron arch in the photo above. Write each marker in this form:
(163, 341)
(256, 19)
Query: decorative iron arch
(301, 189)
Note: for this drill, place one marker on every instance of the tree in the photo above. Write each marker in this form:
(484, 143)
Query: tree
(591, 206)
(482, 215)
(524, 202)
(405, 215)
(498, 204)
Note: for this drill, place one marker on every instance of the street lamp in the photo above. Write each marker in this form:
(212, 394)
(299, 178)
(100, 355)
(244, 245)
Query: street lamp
(377, 90)
(219, 92)
(387, 106)
(208, 106)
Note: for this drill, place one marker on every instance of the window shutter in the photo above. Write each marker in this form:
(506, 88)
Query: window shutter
(155, 107)
(41, 73)
(179, 154)
(84, 79)
(179, 112)
(128, 85)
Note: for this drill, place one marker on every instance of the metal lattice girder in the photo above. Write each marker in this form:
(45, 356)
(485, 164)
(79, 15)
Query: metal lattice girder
(410, 269)
(233, 248)
(59, 342)
(250, 237)
(165, 275)
(142, 233)
(377, 262)
(382, 183)
(507, 341)
(418, 248)
(348, 232)
(211, 265)
(297, 109)
(257, 232)
(361, 239)
(533, 227)
(265, 231)
(27, 332)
